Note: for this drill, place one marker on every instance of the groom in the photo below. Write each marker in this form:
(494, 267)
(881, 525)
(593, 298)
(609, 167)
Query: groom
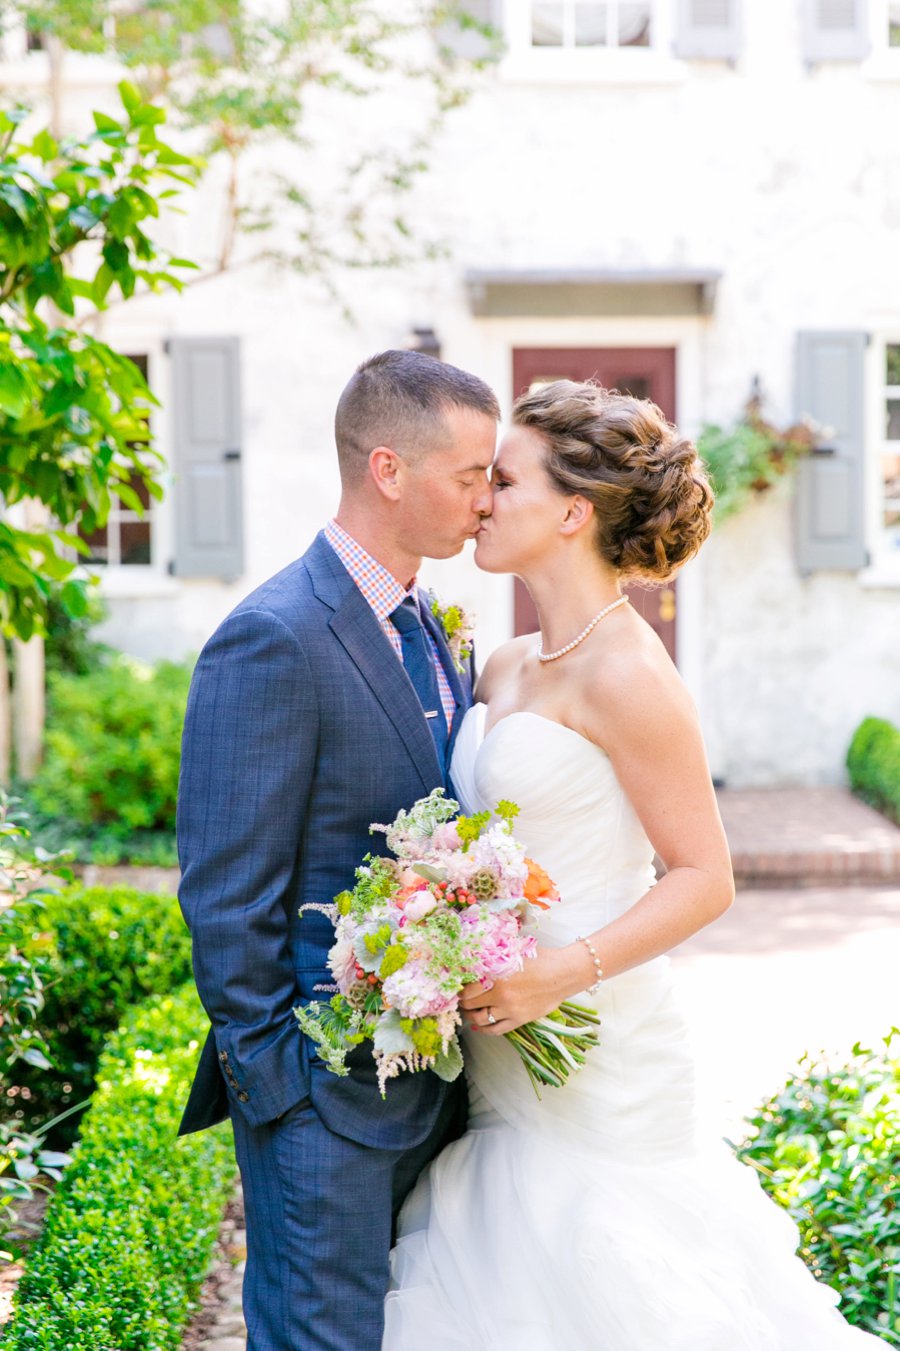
(327, 700)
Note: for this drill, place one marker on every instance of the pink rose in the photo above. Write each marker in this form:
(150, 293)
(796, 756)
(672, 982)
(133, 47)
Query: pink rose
(446, 836)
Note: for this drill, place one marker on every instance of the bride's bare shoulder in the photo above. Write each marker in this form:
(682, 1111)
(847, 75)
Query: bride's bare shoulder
(503, 664)
(637, 675)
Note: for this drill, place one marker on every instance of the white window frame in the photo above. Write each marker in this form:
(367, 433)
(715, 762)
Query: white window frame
(153, 578)
(884, 566)
(884, 61)
(597, 65)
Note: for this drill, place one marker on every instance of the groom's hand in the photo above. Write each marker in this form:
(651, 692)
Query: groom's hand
(553, 975)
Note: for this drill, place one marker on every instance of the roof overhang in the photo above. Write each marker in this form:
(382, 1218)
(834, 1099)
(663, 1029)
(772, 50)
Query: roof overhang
(578, 294)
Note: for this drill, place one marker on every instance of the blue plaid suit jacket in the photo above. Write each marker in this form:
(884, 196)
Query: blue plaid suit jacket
(301, 729)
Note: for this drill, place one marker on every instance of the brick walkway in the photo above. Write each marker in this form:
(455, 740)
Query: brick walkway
(807, 836)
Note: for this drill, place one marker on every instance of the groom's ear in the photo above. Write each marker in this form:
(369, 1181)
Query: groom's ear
(386, 469)
(578, 513)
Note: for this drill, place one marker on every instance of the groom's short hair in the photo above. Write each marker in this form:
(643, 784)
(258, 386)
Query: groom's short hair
(398, 399)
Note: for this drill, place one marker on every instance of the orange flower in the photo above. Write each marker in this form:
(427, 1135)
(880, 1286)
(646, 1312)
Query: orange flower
(539, 886)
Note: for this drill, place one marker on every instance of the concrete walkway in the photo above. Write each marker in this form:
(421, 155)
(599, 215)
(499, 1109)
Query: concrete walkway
(784, 973)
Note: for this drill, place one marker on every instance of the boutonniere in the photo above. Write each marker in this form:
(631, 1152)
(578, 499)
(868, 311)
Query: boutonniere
(458, 627)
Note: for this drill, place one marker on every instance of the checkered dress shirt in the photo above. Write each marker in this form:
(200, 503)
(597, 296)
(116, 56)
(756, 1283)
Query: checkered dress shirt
(384, 593)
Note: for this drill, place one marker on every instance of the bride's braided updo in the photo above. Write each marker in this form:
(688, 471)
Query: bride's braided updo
(651, 498)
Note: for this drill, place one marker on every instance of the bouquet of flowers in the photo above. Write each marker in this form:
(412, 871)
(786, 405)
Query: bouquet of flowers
(457, 904)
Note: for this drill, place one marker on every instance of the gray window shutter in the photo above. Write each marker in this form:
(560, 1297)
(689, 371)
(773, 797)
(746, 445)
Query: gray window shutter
(830, 514)
(709, 28)
(835, 30)
(206, 422)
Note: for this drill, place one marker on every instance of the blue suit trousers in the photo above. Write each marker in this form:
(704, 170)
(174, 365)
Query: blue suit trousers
(320, 1216)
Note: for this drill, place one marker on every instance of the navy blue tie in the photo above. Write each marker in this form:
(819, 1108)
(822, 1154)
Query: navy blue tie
(419, 664)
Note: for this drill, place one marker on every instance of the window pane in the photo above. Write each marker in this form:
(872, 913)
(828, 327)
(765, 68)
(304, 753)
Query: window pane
(893, 23)
(141, 491)
(893, 364)
(591, 25)
(134, 541)
(98, 543)
(891, 472)
(893, 420)
(634, 25)
(546, 25)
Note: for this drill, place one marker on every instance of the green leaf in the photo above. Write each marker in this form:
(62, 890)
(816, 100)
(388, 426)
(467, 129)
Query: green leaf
(14, 390)
(104, 123)
(101, 284)
(36, 1058)
(130, 96)
(148, 116)
(74, 599)
(83, 218)
(126, 494)
(44, 146)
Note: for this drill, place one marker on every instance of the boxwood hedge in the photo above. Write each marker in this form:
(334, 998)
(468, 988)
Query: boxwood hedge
(828, 1149)
(131, 1228)
(873, 764)
(102, 951)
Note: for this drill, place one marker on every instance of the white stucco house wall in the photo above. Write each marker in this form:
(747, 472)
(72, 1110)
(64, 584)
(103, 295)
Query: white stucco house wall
(692, 194)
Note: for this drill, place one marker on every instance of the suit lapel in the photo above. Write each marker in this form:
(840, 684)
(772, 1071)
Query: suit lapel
(356, 628)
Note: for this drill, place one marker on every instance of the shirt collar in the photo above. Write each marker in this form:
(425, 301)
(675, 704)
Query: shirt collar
(379, 587)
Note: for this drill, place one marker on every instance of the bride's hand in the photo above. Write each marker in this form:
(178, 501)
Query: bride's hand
(553, 975)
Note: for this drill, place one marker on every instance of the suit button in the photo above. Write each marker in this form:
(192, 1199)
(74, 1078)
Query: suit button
(223, 1056)
(243, 1097)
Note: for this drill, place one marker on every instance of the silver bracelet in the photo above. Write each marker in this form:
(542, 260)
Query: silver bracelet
(592, 989)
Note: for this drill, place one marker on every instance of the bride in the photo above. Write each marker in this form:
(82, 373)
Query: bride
(591, 1220)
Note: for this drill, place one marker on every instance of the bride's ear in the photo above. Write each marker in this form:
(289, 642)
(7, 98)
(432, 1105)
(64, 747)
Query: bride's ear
(578, 514)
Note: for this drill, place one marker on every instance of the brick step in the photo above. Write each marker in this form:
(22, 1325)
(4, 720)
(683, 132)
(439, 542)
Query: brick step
(808, 836)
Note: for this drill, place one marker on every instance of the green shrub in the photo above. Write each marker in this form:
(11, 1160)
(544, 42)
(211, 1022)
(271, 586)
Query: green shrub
(101, 950)
(25, 877)
(69, 646)
(103, 845)
(873, 763)
(131, 1228)
(828, 1150)
(112, 747)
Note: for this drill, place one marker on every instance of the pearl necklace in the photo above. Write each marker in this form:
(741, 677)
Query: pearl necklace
(552, 656)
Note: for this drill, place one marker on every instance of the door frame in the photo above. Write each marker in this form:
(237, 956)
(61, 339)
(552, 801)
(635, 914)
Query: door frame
(487, 344)
(655, 369)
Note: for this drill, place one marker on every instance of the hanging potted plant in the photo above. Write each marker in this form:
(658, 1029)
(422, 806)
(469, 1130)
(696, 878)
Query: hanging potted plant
(750, 457)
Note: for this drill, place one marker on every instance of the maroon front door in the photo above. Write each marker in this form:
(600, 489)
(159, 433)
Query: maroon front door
(647, 373)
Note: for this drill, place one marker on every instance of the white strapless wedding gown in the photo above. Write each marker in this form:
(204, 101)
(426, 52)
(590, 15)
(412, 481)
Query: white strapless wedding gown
(591, 1220)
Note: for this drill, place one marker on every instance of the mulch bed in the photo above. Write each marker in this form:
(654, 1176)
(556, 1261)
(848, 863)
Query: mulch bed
(28, 1228)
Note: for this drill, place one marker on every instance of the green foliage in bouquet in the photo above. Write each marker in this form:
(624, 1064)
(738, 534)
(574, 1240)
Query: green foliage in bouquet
(873, 764)
(113, 749)
(827, 1148)
(101, 951)
(130, 1230)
